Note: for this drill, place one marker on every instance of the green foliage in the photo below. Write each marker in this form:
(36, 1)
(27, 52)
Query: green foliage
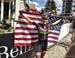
(42, 10)
(53, 6)
(50, 5)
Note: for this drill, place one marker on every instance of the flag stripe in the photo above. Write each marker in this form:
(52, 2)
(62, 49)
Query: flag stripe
(25, 36)
(26, 28)
(24, 44)
(50, 41)
(36, 18)
(21, 33)
(25, 39)
(20, 22)
(31, 12)
(54, 37)
(33, 16)
(26, 33)
(54, 33)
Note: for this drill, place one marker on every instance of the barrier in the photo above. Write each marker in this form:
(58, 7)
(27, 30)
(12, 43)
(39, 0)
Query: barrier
(7, 50)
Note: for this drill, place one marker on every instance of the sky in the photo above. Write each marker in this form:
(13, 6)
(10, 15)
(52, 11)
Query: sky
(41, 4)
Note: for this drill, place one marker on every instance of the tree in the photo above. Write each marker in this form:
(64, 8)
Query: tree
(47, 6)
(50, 5)
(53, 6)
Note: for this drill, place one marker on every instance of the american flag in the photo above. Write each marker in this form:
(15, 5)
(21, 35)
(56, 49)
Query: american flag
(25, 32)
(52, 37)
(54, 31)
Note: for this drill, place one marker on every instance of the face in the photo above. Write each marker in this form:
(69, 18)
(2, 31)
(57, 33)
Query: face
(66, 21)
(45, 21)
(52, 14)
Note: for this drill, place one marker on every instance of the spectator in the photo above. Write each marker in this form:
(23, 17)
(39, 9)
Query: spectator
(55, 25)
(64, 28)
(55, 21)
(70, 18)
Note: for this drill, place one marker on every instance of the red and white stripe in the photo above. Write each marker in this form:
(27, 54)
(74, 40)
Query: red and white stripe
(52, 37)
(26, 33)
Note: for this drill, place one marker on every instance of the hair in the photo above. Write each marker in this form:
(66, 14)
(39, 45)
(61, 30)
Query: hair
(73, 23)
(66, 19)
(44, 18)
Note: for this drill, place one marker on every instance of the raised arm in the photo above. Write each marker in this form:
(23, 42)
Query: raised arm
(56, 22)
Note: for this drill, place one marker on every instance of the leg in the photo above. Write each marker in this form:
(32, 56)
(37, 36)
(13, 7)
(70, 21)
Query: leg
(38, 55)
(43, 53)
(44, 48)
(39, 50)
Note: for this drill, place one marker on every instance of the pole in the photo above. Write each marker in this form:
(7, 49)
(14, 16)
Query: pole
(9, 9)
(2, 9)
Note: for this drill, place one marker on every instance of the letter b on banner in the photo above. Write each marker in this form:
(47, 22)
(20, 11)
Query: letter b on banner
(4, 53)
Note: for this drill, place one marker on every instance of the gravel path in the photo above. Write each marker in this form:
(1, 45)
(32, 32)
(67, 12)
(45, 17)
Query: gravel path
(58, 51)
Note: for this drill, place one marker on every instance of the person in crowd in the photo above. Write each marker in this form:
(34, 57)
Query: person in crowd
(71, 51)
(43, 35)
(71, 17)
(65, 28)
(55, 21)
(67, 33)
(73, 32)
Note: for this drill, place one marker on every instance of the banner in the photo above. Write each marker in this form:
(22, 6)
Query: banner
(7, 49)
